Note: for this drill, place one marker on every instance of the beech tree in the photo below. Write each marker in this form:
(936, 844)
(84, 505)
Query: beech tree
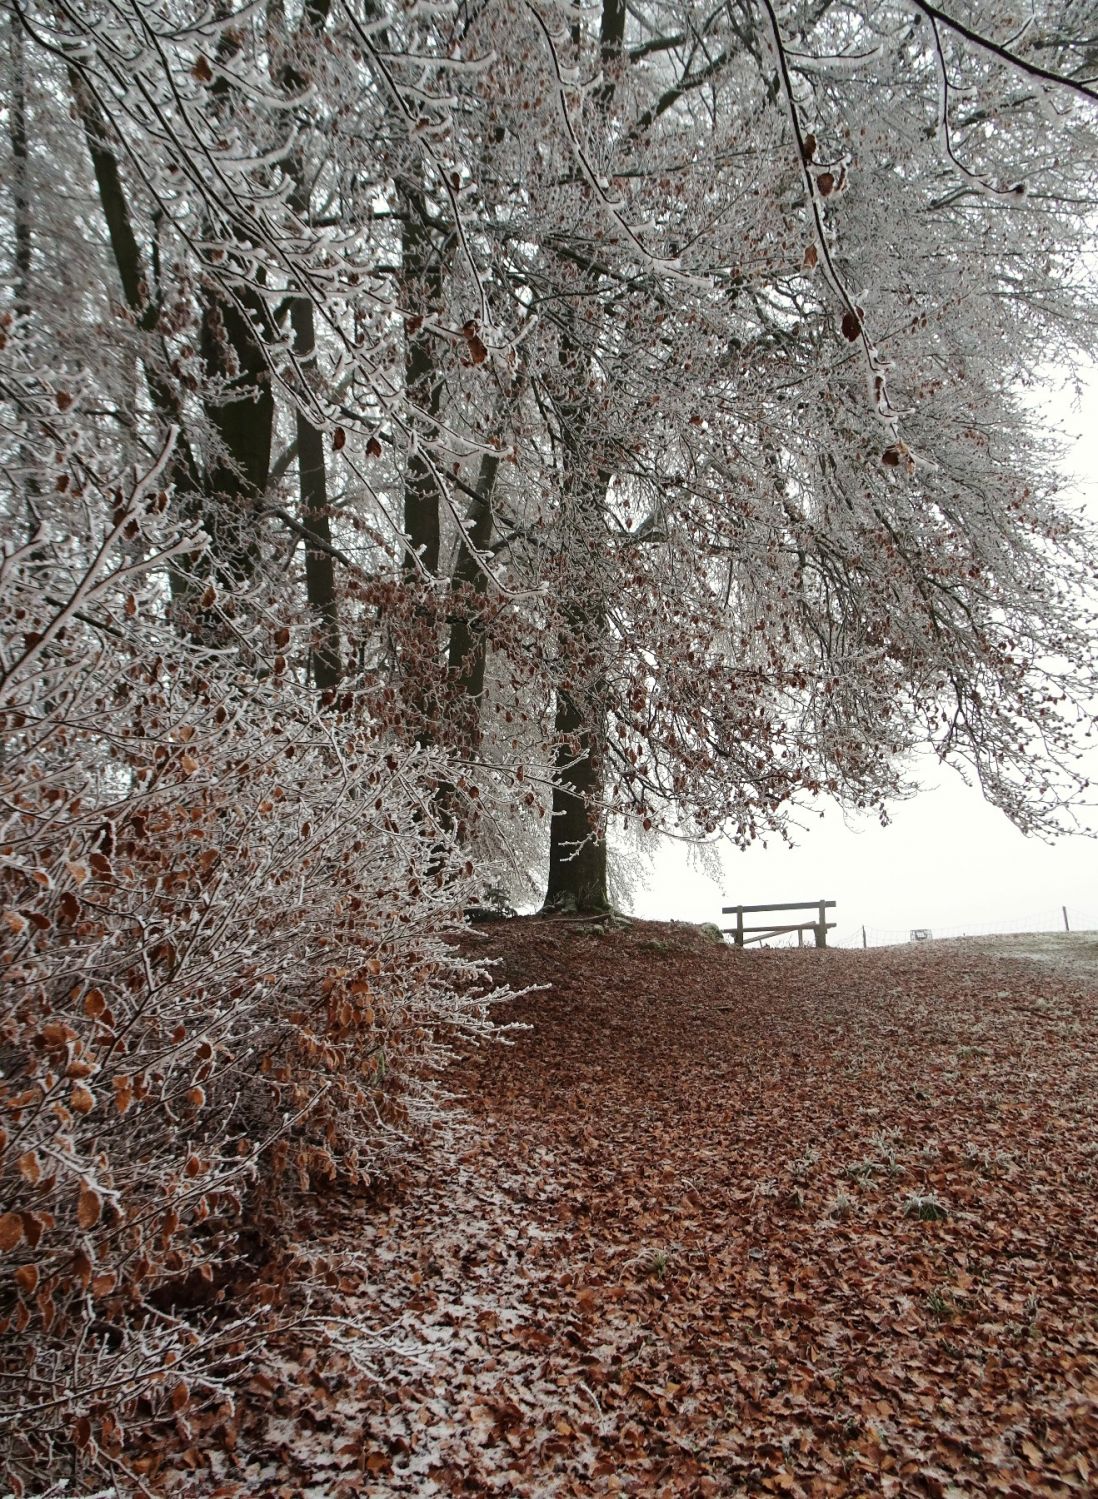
(741, 301)
(819, 528)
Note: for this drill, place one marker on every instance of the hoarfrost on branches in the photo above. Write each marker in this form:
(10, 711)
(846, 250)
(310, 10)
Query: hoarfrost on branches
(426, 435)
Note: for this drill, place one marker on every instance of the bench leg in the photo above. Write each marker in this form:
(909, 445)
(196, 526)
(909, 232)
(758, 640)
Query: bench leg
(821, 926)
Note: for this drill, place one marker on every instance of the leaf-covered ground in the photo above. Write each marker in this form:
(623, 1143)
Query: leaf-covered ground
(718, 1223)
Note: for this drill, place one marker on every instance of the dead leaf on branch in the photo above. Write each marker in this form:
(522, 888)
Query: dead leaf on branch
(11, 1231)
(89, 1206)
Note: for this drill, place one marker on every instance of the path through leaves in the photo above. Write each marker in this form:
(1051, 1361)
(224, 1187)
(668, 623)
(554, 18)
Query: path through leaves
(718, 1223)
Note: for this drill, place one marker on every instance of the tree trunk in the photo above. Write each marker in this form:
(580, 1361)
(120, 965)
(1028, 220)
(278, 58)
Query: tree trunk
(468, 653)
(467, 656)
(422, 282)
(578, 873)
(320, 579)
(422, 278)
(20, 187)
(326, 658)
(23, 243)
(242, 419)
(184, 474)
(578, 870)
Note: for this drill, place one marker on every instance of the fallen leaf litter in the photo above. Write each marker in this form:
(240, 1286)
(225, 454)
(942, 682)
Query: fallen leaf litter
(717, 1223)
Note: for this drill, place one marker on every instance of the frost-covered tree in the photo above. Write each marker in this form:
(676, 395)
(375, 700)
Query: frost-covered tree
(791, 274)
(653, 377)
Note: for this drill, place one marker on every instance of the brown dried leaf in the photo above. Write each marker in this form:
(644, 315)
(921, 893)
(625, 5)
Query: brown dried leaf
(30, 1167)
(89, 1205)
(11, 1231)
(82, 1267)
(82, 1099)
(26, 1278)
(34, 1225)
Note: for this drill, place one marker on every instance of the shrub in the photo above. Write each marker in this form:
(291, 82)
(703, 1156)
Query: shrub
(223, 913)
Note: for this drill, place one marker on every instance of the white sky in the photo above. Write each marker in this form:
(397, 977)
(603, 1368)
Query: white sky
(947, 861)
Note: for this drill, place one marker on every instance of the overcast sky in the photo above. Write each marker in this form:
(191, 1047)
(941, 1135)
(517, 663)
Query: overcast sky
(947, 860)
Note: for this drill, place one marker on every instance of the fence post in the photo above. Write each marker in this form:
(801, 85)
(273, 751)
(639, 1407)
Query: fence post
(1065, 911)
(863, 937)
(821, 928)
(739, 926)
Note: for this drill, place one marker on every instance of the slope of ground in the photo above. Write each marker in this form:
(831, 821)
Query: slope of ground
(717, 1223)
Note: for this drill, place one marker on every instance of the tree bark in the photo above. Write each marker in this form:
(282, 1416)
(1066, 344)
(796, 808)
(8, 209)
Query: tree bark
(326, 657)
(20, 187)
(422, 285)
(184, 475)
(422, 267)
(320, 578)
(578, 868)
(242, 420)
(468, 651)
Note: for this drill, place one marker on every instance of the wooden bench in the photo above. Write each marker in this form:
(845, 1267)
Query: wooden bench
(819, 927)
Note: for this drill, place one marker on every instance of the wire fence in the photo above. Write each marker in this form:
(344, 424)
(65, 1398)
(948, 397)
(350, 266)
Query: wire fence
(1072, 918)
